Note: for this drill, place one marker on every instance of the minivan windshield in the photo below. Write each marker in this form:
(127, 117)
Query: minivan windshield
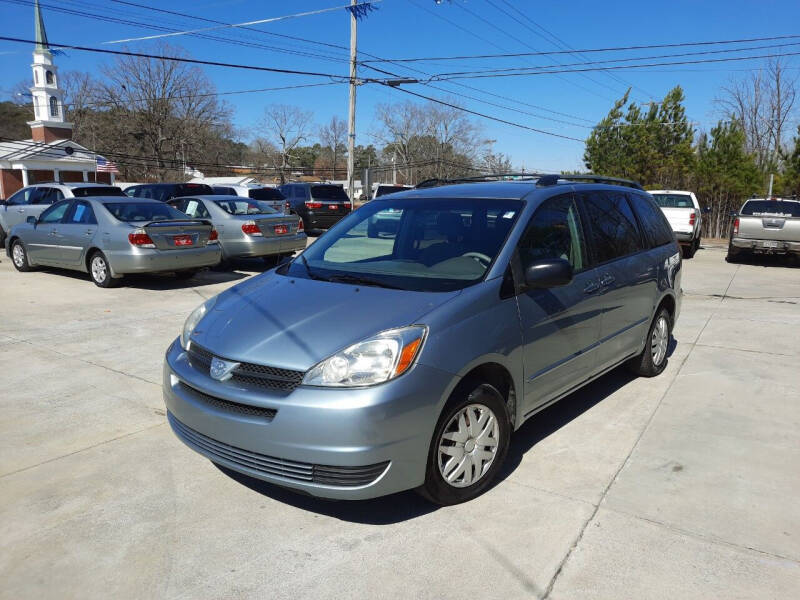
(142, 212)
(243, 206)
(328, 192)
(776, 208)
(418, 244)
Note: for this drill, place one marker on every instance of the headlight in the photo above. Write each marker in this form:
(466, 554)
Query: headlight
(193, 319)
(375, 360)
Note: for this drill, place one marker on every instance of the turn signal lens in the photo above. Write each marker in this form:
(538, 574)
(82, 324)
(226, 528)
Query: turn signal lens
(250, 228)
(692, 218)
(300, 227)
(407, 355)
(735, 226)
(141, 239)
(213, 236)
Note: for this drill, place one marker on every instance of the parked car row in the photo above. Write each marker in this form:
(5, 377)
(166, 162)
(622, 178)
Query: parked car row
(113, 236)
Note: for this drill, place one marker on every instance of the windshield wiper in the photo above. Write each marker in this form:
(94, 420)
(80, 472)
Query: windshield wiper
(358, 279)
(311, 274)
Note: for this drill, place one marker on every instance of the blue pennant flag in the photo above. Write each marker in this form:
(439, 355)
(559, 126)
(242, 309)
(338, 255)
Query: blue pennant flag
(359, 11)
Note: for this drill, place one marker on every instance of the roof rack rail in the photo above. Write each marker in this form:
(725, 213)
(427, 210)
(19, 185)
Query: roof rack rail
(435, 182)
(546, 180)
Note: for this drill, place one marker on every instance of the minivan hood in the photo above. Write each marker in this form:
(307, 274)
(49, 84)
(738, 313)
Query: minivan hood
(294, 323)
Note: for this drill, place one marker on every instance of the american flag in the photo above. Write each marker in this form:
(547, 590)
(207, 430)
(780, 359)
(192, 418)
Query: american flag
(103, 165)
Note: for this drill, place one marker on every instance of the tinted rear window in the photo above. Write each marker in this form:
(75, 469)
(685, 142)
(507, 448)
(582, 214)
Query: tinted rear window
(191, 189)
(389, 189)
(771, 207)
(136, 212)
(97, 191)
(265, 194)
(328, 192)
(673, 200)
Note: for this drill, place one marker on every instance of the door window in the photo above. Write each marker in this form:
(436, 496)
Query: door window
(654, 225)
(23, 196)
(613, 231)
(48, 196)
(554, 232)
(55, 213)
(81, 214)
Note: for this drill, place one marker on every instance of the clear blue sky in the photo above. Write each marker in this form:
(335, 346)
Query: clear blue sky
(422, 28)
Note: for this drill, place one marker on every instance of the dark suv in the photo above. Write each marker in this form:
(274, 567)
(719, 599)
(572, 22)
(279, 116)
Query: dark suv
(483, 304)
(320, 205)
(168, 191)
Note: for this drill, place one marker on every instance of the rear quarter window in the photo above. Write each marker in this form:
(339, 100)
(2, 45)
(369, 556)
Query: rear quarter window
(328, 192)
(97, 191)
(654, 224)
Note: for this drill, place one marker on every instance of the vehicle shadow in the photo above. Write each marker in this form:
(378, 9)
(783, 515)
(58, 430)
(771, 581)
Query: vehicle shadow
(409, 505)
(785, 261)
(170, 282)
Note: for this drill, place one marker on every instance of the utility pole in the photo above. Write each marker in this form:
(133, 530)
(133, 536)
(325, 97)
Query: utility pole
(351, 119)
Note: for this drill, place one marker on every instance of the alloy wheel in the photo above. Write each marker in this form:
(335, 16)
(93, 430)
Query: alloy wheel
(99, 270)
(468, 445)
(18, 255)
(659, 341)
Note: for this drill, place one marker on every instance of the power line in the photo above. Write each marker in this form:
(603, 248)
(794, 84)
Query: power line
(628, 59)
(589, 50)
(619, 67)
(245, 24)
(178, 59)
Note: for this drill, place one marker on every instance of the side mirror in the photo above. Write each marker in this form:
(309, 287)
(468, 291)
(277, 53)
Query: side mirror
(706, 210)
(551, 272)
(31, 220)
(733, 213)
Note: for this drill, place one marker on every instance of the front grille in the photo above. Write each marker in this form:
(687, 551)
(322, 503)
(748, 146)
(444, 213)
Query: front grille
(250, 373)
(246, 410)
(278, 467)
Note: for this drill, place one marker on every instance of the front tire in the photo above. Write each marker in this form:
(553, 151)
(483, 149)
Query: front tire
(19, 256)
(100, 272)
(469, 445)
(653, 359)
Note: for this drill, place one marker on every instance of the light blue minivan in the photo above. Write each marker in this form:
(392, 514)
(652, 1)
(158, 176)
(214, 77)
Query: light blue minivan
(398, 353)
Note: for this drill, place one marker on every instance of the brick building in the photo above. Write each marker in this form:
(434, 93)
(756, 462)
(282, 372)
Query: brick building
(50, 154)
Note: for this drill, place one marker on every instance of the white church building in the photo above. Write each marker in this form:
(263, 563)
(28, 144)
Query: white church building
(50, 154)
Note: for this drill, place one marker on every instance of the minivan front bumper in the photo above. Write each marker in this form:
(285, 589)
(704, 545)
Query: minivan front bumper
(347, 443)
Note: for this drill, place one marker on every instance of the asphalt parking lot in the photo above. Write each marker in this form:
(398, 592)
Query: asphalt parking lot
(682, 486)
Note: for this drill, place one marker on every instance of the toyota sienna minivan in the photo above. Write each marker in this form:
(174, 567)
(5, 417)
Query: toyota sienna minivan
(385, 358)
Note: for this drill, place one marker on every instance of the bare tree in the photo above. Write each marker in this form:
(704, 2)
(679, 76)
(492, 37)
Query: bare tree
(496, 163)
(763, 103)
(333, 136)
(161, 109)
(285, 128)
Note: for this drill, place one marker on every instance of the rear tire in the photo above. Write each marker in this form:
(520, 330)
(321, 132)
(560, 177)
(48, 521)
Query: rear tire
(100, 272)
(688, 251)
(19, 256)
(734, 254)
(653, 359)
(469, 444)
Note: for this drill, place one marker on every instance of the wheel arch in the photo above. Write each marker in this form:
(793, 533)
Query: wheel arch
(494, 373)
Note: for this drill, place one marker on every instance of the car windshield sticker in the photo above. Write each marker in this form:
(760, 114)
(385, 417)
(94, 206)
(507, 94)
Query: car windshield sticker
(508, 214)
(79, 210)
(191, 208)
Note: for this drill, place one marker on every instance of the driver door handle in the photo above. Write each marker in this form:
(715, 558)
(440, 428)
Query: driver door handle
(591, 288)
(607, 280)
(20, 210)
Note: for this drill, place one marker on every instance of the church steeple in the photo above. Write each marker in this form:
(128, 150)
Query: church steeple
(41, 34)
(49, 122)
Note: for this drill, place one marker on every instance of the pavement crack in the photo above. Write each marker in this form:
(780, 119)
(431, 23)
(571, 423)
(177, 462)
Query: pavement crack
(55, 458)
(562, 564)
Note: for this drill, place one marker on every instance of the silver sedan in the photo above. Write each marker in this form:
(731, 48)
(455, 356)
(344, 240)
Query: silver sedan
(247, 227)
(109, 237)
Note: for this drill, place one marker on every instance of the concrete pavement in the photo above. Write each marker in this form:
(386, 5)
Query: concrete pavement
(682, 486)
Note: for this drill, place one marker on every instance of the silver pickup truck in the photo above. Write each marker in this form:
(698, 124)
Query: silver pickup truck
(765, 226)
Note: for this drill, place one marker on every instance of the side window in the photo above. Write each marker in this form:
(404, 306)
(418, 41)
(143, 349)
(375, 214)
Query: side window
(613, 232)
(195, 209)
(81, 213)
(55, 213)
(49, 196)
(654, 223)
(178, 204)
(554, 231)
(21, 197)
